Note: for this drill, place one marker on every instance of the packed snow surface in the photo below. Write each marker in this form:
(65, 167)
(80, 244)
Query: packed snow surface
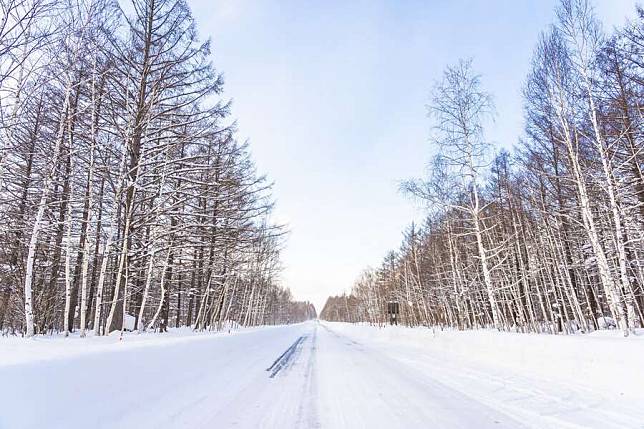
(323, 375)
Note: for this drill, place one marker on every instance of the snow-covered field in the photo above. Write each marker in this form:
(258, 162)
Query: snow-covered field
(325, 375)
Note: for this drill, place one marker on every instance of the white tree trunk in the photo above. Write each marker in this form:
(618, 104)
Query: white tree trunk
(482, 253)
(148, 280)
(68, 269)
(617, 219)
(160, 306)
(42, 204)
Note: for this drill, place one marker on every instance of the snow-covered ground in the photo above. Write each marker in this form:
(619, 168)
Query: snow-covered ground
(325, 375)
(542, 381)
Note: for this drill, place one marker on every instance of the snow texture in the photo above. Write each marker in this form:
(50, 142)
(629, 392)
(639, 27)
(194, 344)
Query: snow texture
(323, 375)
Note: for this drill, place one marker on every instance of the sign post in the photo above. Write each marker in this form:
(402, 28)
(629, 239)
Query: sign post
(393, 309)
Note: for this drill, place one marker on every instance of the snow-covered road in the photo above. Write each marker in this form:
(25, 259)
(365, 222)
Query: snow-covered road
(359, 387)
(300, 376)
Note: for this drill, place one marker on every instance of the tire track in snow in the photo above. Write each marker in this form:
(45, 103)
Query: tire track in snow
(261, 401)
(346, 340)
(307, 414)
(377, 390)
(286, 358)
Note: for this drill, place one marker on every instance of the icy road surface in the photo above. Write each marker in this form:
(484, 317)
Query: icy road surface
(311, 375)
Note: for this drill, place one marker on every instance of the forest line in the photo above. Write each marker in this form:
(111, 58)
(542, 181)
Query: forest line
(547, 238)
(126, 200)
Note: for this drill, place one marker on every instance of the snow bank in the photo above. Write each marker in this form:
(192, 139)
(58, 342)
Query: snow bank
(602, 360)
(17, 350)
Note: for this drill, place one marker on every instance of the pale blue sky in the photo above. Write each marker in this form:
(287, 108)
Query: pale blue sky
(332, 94)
